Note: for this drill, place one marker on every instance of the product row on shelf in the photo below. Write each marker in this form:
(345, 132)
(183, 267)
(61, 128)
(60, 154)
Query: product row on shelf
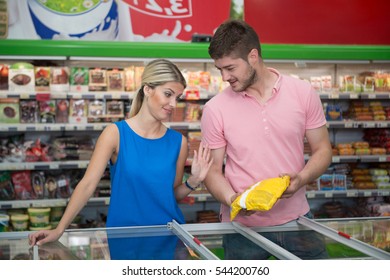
(27, 77)
(348, 180)
(81, 111)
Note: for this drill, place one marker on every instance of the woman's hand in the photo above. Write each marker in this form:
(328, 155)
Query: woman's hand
(44, 236)
(201, 164)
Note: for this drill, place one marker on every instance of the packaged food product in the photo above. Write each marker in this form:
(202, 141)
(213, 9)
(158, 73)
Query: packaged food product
(4, 221)
(19, 222)
(261, 196)
(39, 217)
(9, 110)
(21, 77)
(4, 76)
(28, 111)
(97, 79)
(115, 80)
(79, 79)
(59, 78)
(42, 78)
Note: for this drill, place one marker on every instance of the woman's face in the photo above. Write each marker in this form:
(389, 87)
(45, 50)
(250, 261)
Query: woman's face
(161, 100)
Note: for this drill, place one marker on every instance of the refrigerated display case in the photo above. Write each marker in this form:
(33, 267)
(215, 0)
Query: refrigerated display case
(362, 238)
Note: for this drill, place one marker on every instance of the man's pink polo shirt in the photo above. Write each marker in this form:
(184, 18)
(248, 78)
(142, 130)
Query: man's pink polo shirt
(263, 140)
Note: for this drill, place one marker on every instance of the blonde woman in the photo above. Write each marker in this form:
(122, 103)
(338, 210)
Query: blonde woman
(146, 160)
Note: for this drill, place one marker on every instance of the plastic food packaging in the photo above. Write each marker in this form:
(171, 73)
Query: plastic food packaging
(261, 196)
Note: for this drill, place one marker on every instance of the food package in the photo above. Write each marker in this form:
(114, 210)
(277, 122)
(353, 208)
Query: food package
(21, 77)
(59, 78)
(9, 110)
(42, 78)
(79, 79)
(115, 80)
(261, 196)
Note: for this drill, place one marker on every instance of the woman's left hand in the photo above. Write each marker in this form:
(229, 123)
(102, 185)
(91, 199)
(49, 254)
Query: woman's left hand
(201, 164)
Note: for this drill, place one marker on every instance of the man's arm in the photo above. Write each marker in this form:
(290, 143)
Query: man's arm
(321, 157)
(216, 182)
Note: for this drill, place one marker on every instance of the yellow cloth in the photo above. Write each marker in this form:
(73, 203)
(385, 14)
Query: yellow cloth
(261, 196)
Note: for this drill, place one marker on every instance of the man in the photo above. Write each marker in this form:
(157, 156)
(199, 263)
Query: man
(258, 125)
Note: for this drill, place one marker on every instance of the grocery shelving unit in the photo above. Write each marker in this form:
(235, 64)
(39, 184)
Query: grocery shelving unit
(286, 56)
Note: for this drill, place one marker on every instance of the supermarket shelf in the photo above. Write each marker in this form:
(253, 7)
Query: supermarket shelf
(354, 95)
(201, 197)
(358, 158)
(347, 193)
(15, 204)
(92, 95)
(82, 164)
(53, 165)
(183, 125)
(53, 127)
(358, 124)
(174, 125)
(82, 127)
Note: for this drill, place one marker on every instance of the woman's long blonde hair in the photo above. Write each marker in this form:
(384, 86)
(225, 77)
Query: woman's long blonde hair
(156, 73)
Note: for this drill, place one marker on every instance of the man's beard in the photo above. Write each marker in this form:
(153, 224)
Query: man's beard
(250, 81)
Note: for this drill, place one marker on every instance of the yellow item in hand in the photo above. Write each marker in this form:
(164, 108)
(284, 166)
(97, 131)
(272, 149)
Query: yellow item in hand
(260, 196)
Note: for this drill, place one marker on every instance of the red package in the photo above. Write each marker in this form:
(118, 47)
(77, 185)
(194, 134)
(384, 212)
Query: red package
(22, 185)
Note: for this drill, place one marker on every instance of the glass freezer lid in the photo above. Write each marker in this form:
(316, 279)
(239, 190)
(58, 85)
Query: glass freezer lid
(190, 241)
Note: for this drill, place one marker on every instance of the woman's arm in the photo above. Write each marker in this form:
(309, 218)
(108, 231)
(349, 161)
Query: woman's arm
(106, 147)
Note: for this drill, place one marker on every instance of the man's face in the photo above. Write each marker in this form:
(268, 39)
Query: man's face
(237, 72)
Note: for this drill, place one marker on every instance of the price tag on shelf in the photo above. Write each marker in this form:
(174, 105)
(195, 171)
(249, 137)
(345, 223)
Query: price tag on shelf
(385, 193)
(367, 193)
(107, 201)
(334, 96)
(352, 194)
(348, 124)
(201, 198)
(354, 96)
(311, 194)
(329, 194)
(369, 124)
(335, 159)
(24, 96)
(383, 159)
(382, 124)
(195, 125)
(54, 165)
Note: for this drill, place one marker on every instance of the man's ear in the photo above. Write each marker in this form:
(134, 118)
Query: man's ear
(253, 56)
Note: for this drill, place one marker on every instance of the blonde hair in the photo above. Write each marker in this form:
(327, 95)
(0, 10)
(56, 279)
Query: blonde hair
(156, 73)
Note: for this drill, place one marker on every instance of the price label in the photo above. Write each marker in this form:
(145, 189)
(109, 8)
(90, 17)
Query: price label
(367, 193)
(348, 124)
(382, 124)
(335, 159)
(328, 194)
(310, 195)
(382, 159)
(369, 124)
(202, 198)
(351, 194)
(354, 96)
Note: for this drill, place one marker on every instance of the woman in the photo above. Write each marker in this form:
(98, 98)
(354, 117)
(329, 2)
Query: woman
(146, 160)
